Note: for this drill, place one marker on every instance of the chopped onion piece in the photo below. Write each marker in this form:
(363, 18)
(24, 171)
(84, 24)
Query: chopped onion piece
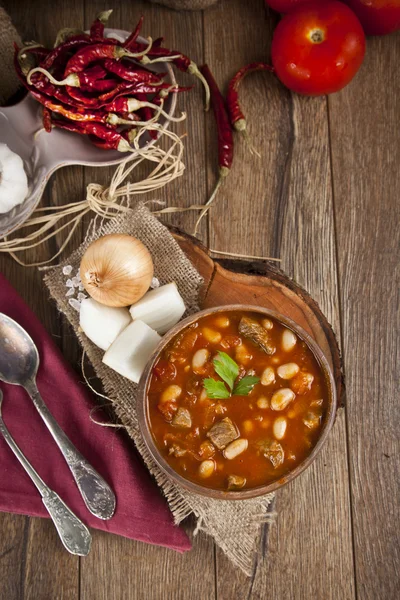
(160, 308)
(102, 324)
(131, 350)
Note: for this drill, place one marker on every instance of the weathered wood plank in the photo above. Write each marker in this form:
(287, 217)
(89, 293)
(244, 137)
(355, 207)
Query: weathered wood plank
(282, 205)
(365, 136)
(118, 568)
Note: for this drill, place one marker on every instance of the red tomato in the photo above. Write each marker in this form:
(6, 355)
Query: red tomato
(318, 48)
(377, 16)
(285, 6)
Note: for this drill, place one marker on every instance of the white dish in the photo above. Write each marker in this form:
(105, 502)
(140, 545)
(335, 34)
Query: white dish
(44, 152)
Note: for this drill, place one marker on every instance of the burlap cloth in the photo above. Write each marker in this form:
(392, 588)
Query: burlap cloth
(8, 35)
(235, 525)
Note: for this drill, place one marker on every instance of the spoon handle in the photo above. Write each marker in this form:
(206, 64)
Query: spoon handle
(96, 493)
(73, 533)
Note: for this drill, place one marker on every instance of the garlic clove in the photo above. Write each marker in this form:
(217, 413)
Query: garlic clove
(160, 308)
(13, 180)
(102, 324)
(129, 353)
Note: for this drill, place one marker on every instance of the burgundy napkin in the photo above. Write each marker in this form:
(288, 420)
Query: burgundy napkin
(141, 512)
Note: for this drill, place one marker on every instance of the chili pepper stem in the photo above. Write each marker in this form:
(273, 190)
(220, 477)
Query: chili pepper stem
(28, 47)
(194, 70)
(72, 79)
(120, 52)
(241, 127)
(149, 61)
(223, 172)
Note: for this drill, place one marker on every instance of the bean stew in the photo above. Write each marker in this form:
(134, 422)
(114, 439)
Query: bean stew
(236, 401)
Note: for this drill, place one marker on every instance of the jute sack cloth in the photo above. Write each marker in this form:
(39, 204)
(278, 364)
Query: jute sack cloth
(234, 525)
(186, 4)
(8, 35)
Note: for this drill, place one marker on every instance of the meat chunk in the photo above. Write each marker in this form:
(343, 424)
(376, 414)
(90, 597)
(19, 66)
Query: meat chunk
(222, 433)
(312, 420)
(177, 451)
(182, 418)
(273, 451)
(256, 333)
(236, 482)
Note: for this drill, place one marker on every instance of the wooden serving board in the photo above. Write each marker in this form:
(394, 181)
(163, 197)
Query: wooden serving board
(261, 283)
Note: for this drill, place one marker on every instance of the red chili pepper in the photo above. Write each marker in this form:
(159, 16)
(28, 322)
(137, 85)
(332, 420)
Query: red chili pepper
(70, 113)
(60, 53)
(232, 97)
(147, 114)
(131, 72)
(134, 35)
(80, 97)
(95, 52)
(47, 120)
(181, 61)
(97, 27)
(225, 137)
(113, 139)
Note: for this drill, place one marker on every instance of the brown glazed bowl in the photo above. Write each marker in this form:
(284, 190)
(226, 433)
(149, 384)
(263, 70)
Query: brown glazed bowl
(144, 419)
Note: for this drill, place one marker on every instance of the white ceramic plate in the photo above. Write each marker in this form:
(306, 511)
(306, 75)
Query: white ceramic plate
(45, 152)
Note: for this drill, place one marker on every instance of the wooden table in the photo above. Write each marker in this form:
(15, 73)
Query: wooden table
(324, 198)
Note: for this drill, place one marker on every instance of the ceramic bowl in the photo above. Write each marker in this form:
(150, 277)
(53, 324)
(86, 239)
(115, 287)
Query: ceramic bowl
(144, 419)
(43, 153)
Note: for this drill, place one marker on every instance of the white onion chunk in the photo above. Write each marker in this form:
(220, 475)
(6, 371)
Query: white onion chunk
(160, 308)
(102, 324)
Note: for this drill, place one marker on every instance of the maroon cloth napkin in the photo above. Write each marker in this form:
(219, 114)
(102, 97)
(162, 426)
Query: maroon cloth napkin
(141, 512)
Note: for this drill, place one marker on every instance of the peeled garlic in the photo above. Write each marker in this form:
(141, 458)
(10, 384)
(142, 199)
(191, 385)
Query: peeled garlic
(131, 350)
(116, 270)
(13, 179)
(102, 324)
(160, 308)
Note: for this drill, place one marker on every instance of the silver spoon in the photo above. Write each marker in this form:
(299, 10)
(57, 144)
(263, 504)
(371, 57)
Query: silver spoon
(19, 362)
(74, 535)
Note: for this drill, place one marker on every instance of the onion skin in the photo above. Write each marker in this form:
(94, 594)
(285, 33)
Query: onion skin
(116, 270)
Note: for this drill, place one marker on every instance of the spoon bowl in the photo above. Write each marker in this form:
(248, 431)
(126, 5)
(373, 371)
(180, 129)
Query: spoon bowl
(19, 358)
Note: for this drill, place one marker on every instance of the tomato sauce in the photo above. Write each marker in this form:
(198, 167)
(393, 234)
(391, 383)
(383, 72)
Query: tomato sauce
(241, 441)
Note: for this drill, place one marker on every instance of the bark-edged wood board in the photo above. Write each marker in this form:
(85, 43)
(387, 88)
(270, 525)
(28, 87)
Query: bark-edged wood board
(263, 284)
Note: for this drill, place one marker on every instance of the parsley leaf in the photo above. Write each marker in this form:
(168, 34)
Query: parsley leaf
(216, 389)
(245, 385)
(226, 368)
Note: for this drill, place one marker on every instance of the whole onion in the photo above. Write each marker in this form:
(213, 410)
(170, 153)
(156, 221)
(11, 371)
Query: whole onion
(116, 270)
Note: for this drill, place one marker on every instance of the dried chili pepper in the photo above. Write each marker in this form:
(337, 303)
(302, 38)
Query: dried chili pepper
(131, 73)
(232, 97)
(47, 119)
(85, 56)
(60, 53)
(225, 137)
(147, 114)
(97, 27)
(181, 61)
(71, 113)
(129, 42)
(113, 139)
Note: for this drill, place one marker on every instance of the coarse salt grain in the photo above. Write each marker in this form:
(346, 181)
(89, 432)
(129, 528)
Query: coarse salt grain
(67, 270)
(155, 283)
(70, 292)
(75, 304)
(69, 283)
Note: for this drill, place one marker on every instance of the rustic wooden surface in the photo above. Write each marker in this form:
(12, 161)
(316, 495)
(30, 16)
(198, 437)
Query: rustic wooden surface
(323, 197)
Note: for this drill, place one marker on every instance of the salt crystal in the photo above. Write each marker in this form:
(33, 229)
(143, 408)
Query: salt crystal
(67, 270)
(75, 281)
(69, 283)
(75, 304)
(70, 292)
(81, 288)
(81, 297)
(155, 283)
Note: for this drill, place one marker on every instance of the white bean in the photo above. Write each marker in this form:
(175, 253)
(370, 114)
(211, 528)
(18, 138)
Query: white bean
(262, 402)
(288, 340)
(211, 335)
(235, 448)
(242, 355)
(268, 376)
(267, 324)
(206, 468)
(203, 395)
(172, 392)
(282, 398)
(288, 370)
(222, 322)
(279, 428)
(200, 358)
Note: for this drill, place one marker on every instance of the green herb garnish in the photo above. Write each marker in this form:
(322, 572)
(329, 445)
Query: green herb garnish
(228, 370)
